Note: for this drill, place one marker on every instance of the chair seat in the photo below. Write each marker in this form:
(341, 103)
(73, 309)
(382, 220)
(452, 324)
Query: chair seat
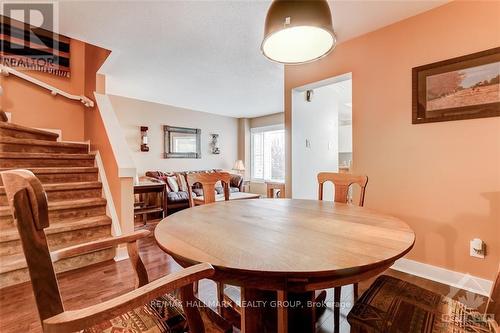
(232, 196)
(161, 315)
(393, 305)
(179, 196)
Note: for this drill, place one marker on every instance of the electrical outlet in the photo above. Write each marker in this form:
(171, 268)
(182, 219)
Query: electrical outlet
(477, 248)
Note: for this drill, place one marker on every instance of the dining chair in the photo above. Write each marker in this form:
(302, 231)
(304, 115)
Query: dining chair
(341, 183)
(149, 308)
(208, 182)
(394, 305)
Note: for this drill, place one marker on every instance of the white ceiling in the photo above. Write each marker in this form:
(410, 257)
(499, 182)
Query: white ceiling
(204, 55)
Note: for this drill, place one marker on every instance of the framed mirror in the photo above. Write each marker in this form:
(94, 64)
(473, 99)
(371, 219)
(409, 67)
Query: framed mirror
(182, 142)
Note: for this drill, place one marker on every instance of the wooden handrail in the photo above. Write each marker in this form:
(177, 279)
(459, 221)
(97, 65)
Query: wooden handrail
(5, 70)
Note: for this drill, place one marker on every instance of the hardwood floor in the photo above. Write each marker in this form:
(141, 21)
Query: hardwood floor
(90, 285)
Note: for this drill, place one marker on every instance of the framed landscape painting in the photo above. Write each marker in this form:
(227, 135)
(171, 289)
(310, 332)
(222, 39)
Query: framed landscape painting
(460, 88)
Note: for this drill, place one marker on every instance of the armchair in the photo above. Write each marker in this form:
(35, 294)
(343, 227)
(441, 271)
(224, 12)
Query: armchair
(28, 204)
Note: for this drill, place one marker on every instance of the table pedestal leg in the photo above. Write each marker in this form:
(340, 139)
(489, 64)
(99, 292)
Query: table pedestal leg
(336, 308)
(301, 313)
(191, 310)
(282, 312)
(252, 309)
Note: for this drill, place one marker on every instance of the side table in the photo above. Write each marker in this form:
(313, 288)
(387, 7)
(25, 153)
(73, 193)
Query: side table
(277, 188)
(143, 207)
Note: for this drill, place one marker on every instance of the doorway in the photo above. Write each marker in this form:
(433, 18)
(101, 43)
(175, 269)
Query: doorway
(321, 133)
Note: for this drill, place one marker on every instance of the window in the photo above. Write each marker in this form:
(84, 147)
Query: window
(268, 153)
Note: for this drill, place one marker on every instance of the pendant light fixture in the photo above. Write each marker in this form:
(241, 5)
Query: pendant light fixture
(298, 32)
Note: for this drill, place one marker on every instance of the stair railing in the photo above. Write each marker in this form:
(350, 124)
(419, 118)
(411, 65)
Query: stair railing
(6, 71)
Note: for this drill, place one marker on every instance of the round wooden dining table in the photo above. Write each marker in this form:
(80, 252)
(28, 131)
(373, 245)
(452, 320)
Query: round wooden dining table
(286, 247)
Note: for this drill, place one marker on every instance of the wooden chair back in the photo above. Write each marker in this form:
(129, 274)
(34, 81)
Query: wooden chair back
(208, 181)
(29, 202)
(342, 182)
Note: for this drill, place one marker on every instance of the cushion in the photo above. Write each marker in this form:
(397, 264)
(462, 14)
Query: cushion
(392, 305)
(218, 190)
(236, 180)
(181, 179)
(179, 196)
(164, 314)
(172, 183)
(198, 191)
(160, 176)
(156, 174)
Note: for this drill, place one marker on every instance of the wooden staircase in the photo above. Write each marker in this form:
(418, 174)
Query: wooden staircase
(77, 209)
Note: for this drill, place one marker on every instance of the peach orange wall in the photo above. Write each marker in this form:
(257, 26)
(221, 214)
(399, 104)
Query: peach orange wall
(443, 179)
(94, 129)
(36, 107)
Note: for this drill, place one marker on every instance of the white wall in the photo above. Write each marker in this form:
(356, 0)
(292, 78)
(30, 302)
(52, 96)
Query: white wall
(345, 138)
(317, 122)
(133, 113)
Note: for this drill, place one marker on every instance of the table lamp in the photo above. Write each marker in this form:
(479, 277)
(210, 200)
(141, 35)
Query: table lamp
(239, 167)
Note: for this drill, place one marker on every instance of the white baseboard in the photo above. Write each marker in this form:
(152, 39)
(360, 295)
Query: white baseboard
(121, 253)
(454, 279)
(106, 191)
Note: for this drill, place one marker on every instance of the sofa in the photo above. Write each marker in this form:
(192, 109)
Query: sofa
(177, 191)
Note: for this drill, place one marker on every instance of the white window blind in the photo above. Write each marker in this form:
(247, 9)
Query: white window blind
(268, 153)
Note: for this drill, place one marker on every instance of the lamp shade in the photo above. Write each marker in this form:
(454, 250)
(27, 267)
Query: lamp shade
(239, 166)
(298, 31)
